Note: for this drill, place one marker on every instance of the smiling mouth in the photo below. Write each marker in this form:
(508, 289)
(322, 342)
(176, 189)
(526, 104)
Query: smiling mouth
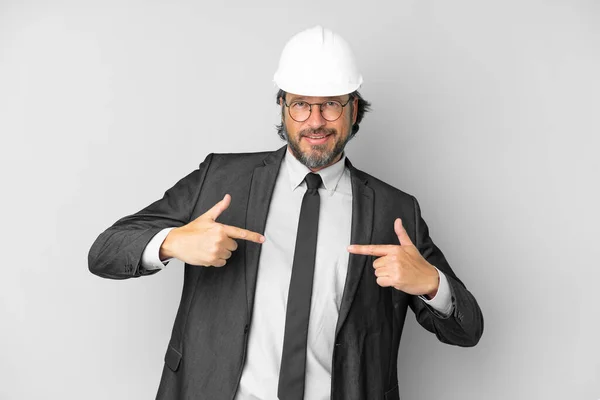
(317, 136)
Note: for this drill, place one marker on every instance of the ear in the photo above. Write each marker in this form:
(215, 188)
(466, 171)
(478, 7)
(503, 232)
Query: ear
(354, 110)
(282, 109)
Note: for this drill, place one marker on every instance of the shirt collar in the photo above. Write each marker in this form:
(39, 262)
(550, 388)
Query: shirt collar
(330, 175)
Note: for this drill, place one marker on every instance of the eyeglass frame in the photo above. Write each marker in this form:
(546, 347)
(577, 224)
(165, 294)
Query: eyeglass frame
(320, 108)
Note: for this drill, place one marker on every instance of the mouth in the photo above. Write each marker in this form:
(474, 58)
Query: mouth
(317, 139)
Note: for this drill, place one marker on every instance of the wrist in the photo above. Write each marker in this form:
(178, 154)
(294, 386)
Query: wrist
(167, 247)
(435, 285)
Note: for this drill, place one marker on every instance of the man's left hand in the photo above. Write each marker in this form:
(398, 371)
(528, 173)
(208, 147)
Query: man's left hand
(401, 266)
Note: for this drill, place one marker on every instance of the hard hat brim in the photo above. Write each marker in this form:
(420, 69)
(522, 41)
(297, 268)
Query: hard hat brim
(317, 88)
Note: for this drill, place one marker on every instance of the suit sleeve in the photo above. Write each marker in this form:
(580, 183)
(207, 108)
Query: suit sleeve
(117, 252)
(464, 326)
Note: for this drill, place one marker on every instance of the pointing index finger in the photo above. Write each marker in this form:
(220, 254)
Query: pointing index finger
(371, 249)
(240, 233)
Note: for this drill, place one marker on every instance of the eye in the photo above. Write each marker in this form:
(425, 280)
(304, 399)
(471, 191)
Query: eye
(332, 105)
(299, 104)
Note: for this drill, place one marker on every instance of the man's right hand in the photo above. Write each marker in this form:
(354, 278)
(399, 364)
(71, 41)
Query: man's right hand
(204, 241)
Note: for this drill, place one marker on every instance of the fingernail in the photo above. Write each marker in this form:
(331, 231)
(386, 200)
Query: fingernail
(262, 239)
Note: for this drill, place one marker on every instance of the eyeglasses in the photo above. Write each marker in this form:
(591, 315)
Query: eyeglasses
(300, 110)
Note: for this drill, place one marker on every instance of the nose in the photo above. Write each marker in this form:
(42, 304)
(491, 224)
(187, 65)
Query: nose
(316, 120)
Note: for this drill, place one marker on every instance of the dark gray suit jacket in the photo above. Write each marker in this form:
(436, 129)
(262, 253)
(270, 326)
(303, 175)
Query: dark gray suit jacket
(205, 356)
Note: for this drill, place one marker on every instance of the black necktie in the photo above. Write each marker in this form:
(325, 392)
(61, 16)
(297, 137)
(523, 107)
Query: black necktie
(293, 359)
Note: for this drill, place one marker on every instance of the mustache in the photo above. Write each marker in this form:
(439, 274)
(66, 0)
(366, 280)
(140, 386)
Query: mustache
(315, 132)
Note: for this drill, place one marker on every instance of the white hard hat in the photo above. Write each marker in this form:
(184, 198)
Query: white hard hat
(317, 62)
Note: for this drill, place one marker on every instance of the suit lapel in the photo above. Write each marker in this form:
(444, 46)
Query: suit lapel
(261, 191)
(362, 227)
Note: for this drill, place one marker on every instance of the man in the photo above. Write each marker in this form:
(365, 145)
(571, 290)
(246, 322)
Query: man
(299, 268)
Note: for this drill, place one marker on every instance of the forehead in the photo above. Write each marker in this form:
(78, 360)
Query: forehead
(315, 99)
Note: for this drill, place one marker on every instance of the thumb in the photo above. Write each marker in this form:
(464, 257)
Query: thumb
(218, 208)
(401, 233)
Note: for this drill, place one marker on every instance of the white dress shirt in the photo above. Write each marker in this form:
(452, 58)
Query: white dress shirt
(265, 342)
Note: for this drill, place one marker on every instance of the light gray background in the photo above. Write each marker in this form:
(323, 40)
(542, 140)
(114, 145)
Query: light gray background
(488, 112)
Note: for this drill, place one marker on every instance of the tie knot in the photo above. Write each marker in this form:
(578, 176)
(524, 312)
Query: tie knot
(313, 181)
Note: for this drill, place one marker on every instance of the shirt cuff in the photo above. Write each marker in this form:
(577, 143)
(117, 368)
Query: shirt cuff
(151, 255)
(442, 301)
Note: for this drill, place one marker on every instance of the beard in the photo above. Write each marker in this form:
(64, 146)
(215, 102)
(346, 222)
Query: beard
(319, 156)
